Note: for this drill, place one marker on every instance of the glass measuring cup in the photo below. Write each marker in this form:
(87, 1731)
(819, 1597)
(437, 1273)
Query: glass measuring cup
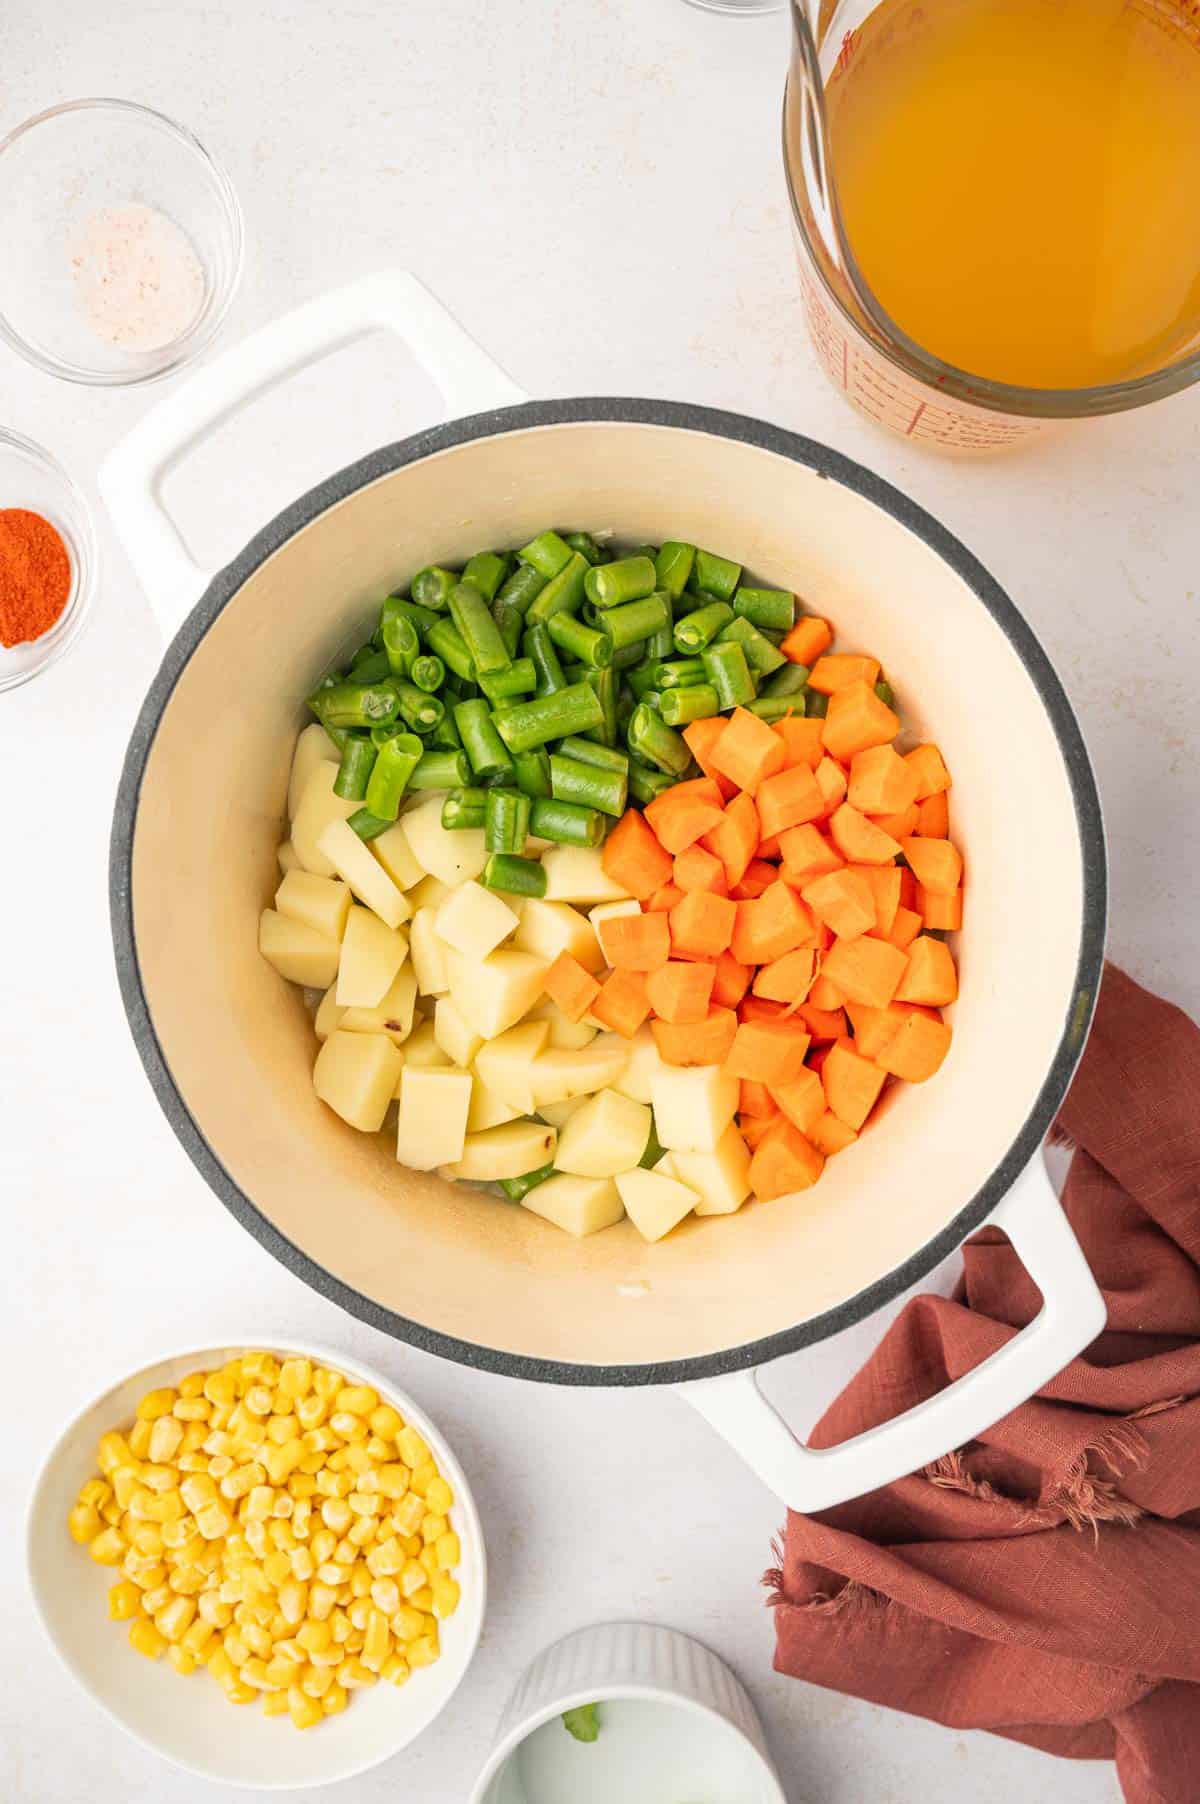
(892, 379)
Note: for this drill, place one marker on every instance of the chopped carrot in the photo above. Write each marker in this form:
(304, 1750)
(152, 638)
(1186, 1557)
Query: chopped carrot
(941, 912)
(865, 970)
(807, 640)
(899, 825)
(881, 782)
(874, 1027)
(757, 1008)
(701, 736)
(917, 1050)
(802, 1101)
(837, 669)
(735, 837)
(784, 1161)
(664, 899)
(635, 942)
(884, 882)
(622, 1003)
(831, 781)
(755, 1100)
(819, 1054)
(768, 849)
(807, 853)
(843, 900)
(930, 976)
(852, 1084)
(633, 857)
(789, 799)
(858, 840)
(731, 980)
(825, 993)
(746, 752)
(680, 991)
(857, 720)
(770, 1052)
(935, 863)
(823, 936)
(933, 817)
(571, 987)
(704, 1042)
(787, 979)
(801, 740)
(684, 814)
(908, 888)
(932, 775)
(757, 876)
(755, 1128)
(776, 923)
(831, 1136)
(697, 869)
(702, 926)
(906, 924)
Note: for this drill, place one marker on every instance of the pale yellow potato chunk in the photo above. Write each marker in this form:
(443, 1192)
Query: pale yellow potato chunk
(431, 892)
(356, 1074)
(557, 1074)
(328, 1015)
(654, 1202)
(606, 1136)
(487, 1109)
(548, 928)
(642, 1062)
(422, 1051)
(352, 861)
(503, 1064)
(287, 857)
(563, 1031)
(428, 953)
(372, 954)
(313, 747)
(577, 1205)
(451, 856)
(577, 874)
(432, 1126)
(394, 853)
(457, 1039)
(298, 952)
(474, 921)
(322, 903)
(721, 1178)
(505, 1152)
(559, 1113)
(495, 992)
(693, 1105)
(393, 1016)
(318, 808)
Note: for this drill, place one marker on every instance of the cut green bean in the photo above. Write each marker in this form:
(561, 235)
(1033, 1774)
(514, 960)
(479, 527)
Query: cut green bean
(358, 755)
(589, 751)
(446, 734)
(699, 629)
(634, 620)
(519, 679)
(516, 1188)
(650, 551)
(772, 610)
(626, 703)
(883, 690)
(662, 643)
(421, 710)
(815, 704)
(519, 877)
(586, 546)
(431, 587)
(605, 684)
(392, 773)
(401, 644)
(673, 566)
(464, 808)
(626, 579)
(715, 576)
(652, 740)
(579, 641)
(356, 704)
(566, 823)
(654, 1149)
(511, 624)
(397, 607)
(678, 673)
(699, 701)
(548, 554)
(538, 646)
(523, 586)
(645, 782)
(447, 643)
(368, 825)
(642, 678)
(481, 741)
(442, 770)
(729, 673)
(761, 655)
(776, 707)
(506, 820)
(373, 669)
(563, 593)
(486, 571)
(789, 679)
(533, 769)
(367, 650)
(626, 656)
(588, 785)
(428, 673)
(478, 631)
(575, 709)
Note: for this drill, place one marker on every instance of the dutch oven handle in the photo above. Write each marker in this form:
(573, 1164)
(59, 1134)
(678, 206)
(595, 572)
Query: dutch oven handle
(131, 475)
(1072, 1314)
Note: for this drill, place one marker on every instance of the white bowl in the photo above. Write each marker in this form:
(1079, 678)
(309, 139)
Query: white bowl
(187, 1720)
(674, 1724)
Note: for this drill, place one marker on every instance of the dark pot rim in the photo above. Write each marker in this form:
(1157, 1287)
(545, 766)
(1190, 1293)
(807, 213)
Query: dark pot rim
(824, 462)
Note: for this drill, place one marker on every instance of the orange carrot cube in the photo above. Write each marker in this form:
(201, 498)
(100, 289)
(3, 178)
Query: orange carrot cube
(831, 781)
(734, 838)
(777, 922)
(731, 980)
(906, 925)
(571, 987)
(933, 818)
(635, 942)
(822, 1024)
(917, 1050)
(932, 775)
(622, 1003)
(663, 900)
(697, 869)
(784, 1161)
(704, 1042)
(802, 1100)
(857, 720)
(633, 857)
(682, 815)
(807, 640)
(787, 979)
(852, 1084)
(680, 991)
(899, 826)
(755, 1100)
(836, 670)
(747, 751)
(865, 970)
(702, 925)
(843, 900)
(802, 741)
(881, 782)
(935, 863)
(858, 840)
(941, 912)
(831, 1136)
(788, 799)
(701, 736)
(806, 854)
(930, 976)
(770, 1052)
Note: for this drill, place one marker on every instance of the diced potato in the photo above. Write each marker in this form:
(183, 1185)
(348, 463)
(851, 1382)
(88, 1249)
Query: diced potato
(371, 956)
(494, 993)
(643, 1062)
(428, 953)
(563, 1031)
(299, 953)
(433, 1117)
(559, 1113)
(328, 1015)
(577, 1205)
(474, 921)
(318, 807)
(608, 911)
(394, 853)
(431, 892)
(322, 903)
(548, 928)
(487, 1109)
(505, 1152)
(666, 1165)
(577, 874)
(693, 1105)
(422, 1052)
(721, 1178)
(313, 747)
(608, 1135)
(654, 1202)
(504, 1063)
(453, 856)
(288, 860)
(366, 876)
(393, 1016)
(557, 1075)
(459, 1042)
(356, 1074)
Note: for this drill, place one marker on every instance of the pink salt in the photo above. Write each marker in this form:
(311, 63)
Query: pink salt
(137, 277)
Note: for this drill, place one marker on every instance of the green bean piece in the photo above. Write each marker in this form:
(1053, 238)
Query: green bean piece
(729, 673)
(419, 709)
(538, 646)
(589, 613)
(374, 669)
(715, 576)
(358, 755)
(381, 735)
(447, 643)
(533, 769)
(428, 673)
(654, 1149)
(511, 624)
(698, 702)
(579, 641)
(773, 610)
(563, 593)
(392, 773)
(464, 808)
(626, 579)
(605, 683)
(586, 546)
(519, 679)
(697, 630)
(478, 631)
(626, 656)
(626, 703)
(548, 554)
(652, 700)
(776, 707)
(486, 571)
(368, 825)
(481, 742)
(588, 751)
(446, 734)
(401, 644)
(652, 740)
(366, 650)
(673, 566)
(789, 679)
(661, 644)
(575, 709)
(816, 705)
(679, 673)
(566, 823)
(523, 586)
(520, 877)
(884, 691)
(398, 607)
(761, 655)
(506, 820)
(442, 770)
(642, 678)
(645, 783)
(635, 620)
(356, 704)
(431, 587)
(587, 784)
(516, 1188)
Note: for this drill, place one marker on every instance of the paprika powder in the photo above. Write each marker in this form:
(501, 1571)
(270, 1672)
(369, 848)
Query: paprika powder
(35, 575)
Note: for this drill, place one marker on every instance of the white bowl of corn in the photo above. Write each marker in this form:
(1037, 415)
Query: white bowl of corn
(283, 1530)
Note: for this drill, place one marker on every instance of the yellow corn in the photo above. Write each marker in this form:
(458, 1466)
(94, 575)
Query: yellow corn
(196, 1639)
(360, 1581)
(221, 1666)
(396, 1670)
(424, 1650)
(449, 1551)
(139, 1439)
(275, 1703)
(295, 1377)
(438, 1496)
(237, 1693)
(423, 1599)
(124, 1601)
(107, 1547)
(385, 1595)
(180, 1659)
(432, 1528)
(335, 1700)
(84, 1523)
(446, 1594)
(412, 1577)
(316, 1680)
(412, 1448)
(175, 1617)
(354, 1675)
(155, 1404)
(260, 1501)
(305, 1712)
(165, 1438)
(377, 1644)
(386, 1421)
(145, 1639)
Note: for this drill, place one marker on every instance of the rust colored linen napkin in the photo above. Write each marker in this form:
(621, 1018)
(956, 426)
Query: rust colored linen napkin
(1044, 1581)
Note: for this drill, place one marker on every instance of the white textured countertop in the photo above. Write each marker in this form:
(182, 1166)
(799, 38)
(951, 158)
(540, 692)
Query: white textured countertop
(593, 186)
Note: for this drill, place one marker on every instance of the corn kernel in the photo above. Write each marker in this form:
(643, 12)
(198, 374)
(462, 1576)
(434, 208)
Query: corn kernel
(197, 1638)
(302, 1563)
(408, 1512)
(124, 1601)
(423, 1599)
(221, 1666)
(275, 1703)
(215, 1610)
(220, 1387)
(356, 1458)
(145, 1639)
(280, 1673)
(311, 1411)
(283, 1428)
(385, 1595)
(433, 1528)
(242, 1480)
(321, 1599)
(305, 1712)
(166, 1507)
(191, 1409)
(396, 1670)
(412, 1448)
(295, 1377)
(335, 1514)
(377, 1644)
(139, 1438)
(335, 1700)
(316, 1680)
(386, 1421)
(237, 1693)
(180, 1659)
(165, 1437)
(84, 1523)
(360, 1581)
(254, 1673)
(412, 1577)
(155, 1404)
(446, 1594)
(175, 1617)
(277, 1569)
(282, 1461)
(293, 1597)
(449, 1551)
(260, 1364)
(353, 1675)
(378, 1449)
(438, 1496)
(386, 1558)
(364, 1504)
(302, 1486)
(213, 1520)
(358, 1399)
(108, 1547)
(260, 1501)
(424, 1650)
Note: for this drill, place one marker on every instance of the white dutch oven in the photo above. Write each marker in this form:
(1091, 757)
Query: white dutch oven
(228, 1045)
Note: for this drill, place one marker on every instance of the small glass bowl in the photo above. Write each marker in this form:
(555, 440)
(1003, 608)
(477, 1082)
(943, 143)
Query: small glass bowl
(56, 171)
(30, 477)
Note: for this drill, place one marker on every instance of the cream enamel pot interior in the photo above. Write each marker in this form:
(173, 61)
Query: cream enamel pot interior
(228, 1045)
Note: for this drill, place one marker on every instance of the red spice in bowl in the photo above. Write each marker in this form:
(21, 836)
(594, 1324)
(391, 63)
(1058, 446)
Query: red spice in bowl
(35, 575)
